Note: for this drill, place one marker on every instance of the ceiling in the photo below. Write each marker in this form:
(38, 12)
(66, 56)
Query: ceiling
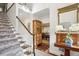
(27, 5)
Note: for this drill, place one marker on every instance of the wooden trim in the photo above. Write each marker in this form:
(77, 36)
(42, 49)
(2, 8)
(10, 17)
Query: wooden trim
(10, 7)
(68, 8)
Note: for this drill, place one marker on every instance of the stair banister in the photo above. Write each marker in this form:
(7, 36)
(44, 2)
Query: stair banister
(29, 33)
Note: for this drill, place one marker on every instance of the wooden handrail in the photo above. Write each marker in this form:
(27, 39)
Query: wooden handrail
(9, 7)
(25, 28)
(24, 25)
(30, 33)
(19, 19)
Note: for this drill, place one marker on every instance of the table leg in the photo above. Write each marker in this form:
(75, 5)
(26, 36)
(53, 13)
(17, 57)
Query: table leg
(66, 52)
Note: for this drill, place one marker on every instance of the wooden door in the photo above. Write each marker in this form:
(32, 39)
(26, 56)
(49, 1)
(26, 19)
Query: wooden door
(37, 30)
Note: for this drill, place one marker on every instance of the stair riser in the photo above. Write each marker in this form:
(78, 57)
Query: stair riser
(9, 44)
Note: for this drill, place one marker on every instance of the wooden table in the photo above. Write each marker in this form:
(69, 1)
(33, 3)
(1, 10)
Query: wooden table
(67, 49)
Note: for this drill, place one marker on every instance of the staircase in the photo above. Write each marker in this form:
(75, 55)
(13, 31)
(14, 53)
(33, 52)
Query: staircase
(11, 43)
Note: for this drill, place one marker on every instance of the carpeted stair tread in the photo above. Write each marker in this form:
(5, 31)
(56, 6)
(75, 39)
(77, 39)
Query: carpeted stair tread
(9, 44)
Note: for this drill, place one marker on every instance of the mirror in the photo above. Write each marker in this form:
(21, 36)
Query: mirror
(68, 18)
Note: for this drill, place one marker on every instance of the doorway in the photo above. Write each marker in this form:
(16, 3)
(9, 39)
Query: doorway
(41, 37)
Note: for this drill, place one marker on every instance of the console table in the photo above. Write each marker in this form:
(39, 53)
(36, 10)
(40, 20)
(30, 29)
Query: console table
(67, 49)
(61, 44)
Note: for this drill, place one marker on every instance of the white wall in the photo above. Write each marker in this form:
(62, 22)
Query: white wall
(53, 23)
(18, 26)
(25, 17)
(43, 16)
(24, 33)
(12, 14)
